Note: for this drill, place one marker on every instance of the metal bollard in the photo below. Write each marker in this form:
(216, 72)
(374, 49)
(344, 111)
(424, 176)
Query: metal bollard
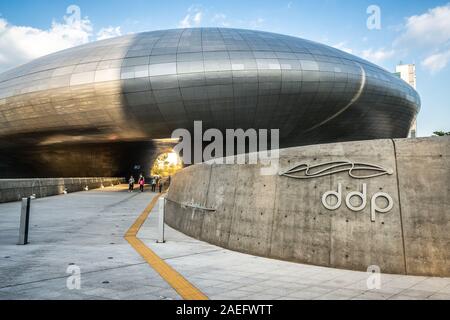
(162, 207)
(24, 221)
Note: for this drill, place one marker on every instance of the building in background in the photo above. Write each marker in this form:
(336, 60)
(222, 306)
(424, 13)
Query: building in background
(407, 72)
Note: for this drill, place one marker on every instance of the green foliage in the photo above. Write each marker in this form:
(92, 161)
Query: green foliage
(441, 133)
(164, 168)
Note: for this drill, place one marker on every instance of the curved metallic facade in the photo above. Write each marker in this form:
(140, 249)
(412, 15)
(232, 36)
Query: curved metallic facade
(143, 86)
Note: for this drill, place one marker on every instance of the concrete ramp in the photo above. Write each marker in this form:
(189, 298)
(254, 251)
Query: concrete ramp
(380, 204)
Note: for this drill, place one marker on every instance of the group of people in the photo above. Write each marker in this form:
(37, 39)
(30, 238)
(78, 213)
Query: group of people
(154, 182)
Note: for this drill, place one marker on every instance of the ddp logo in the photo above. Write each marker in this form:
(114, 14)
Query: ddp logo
(356, 170)
(374, 207)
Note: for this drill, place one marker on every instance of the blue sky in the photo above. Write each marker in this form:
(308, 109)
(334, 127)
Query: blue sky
(411, 31)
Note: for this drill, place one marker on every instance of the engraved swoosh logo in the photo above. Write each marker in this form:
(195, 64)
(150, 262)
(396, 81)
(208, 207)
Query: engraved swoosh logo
(356, 170)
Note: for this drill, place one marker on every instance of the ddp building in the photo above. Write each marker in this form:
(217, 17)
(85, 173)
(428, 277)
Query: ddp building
(101, 108)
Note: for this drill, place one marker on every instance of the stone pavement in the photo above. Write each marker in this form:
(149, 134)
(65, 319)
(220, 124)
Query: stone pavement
(86, 229)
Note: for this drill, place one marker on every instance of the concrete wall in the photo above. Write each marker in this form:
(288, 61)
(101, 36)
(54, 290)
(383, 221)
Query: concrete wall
(280, 217)
(424, 186)
(16, 189)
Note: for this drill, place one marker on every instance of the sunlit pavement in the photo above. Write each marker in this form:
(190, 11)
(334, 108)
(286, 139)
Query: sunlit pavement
(86, 229)
(224, 274)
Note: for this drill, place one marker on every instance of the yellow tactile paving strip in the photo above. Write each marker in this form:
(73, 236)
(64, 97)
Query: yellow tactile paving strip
(184, 288)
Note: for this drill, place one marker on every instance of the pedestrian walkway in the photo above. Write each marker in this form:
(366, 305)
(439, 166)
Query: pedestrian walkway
(227, 275)
(84, 229)
(87, 229)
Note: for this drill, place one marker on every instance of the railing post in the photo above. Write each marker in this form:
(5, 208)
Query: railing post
(24, 221)
(162, 207)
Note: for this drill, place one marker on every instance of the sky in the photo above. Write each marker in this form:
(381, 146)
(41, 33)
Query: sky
(414, 31)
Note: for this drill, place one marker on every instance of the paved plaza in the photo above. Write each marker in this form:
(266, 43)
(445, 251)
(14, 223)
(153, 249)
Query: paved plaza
(86, 229)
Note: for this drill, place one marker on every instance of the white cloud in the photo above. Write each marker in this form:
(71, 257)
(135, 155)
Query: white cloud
(185, 23)
(343, 46)
(429, 35)
(436, 62)
(374, 55)
(193, 18)
(378, 55)
(257, 23)
(426, 35)
(428, 29)
(20, 44)
(198, 18)
(220, 19)
(109, 32)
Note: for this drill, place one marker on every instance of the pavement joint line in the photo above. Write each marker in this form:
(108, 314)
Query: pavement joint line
(411, 286)
(181, 285)
(180, 241)
(63, 277)
(189, 255)
(112, 205)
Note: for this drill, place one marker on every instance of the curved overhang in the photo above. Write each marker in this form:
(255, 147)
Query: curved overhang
(143, 86)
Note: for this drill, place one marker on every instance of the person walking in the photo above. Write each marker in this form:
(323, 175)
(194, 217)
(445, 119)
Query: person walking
(131, 184)
(160, 185)
(141, 183)
(153, 184)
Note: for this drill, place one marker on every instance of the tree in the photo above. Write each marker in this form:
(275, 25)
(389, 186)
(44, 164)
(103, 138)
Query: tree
(163, 167)
(441, 133)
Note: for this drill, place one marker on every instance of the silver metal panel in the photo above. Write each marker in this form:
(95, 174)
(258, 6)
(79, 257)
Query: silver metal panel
(143, 86)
